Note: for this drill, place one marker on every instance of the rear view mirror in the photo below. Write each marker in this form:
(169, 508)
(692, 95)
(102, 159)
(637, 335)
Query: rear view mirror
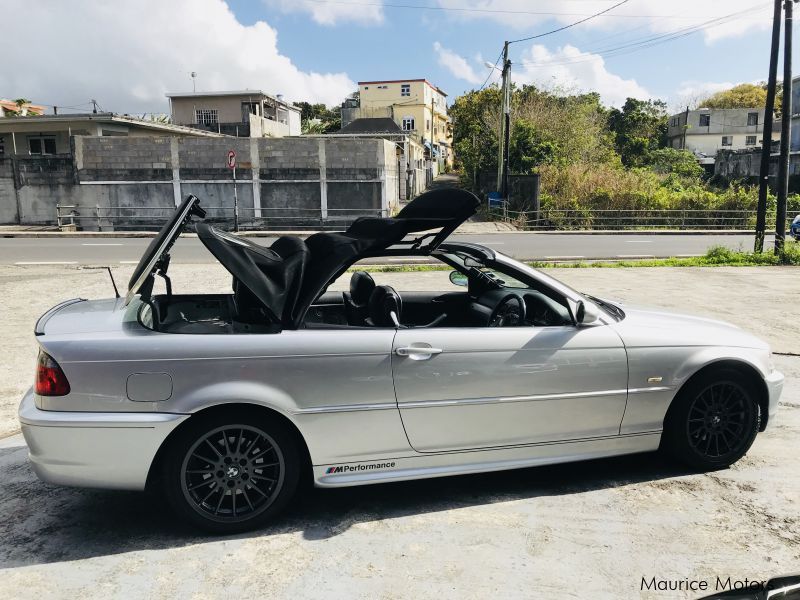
(458, 278)
(586, 313)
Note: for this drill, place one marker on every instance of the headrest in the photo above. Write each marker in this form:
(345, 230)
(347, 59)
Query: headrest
(383, 301)
(361, 287)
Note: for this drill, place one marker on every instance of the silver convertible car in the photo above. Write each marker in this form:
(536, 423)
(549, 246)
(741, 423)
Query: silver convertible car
(226, 402)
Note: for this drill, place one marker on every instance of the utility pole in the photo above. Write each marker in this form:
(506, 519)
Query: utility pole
(786, 132)
(766, 141)
(505, 127)
(685, 127)
(94, 106)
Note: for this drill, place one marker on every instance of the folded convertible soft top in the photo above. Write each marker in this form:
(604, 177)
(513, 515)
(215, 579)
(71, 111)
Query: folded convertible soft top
(290, 274)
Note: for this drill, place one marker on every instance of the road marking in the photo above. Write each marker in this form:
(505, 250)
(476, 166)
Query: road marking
(635, 256)
(406, 259)
(129, 262)
(560, 257)
(92, 244)
(638, 241)
(687, 255)
(53, 262)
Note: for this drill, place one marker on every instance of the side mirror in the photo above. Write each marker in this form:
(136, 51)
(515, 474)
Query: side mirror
(459, 279)
(586, 313)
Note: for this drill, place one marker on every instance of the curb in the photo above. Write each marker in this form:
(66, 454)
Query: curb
(256, 234)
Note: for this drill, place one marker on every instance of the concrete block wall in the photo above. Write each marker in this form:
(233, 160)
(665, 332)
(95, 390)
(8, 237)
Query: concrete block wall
(130, 182)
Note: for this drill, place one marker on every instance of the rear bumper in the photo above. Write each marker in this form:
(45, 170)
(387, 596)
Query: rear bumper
(774, 383)
(85, 449)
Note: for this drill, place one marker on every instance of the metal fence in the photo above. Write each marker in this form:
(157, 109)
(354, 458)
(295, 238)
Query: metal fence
(645, 219)
(121, 218)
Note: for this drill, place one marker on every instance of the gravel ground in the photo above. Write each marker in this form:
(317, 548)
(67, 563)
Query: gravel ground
(584, 530)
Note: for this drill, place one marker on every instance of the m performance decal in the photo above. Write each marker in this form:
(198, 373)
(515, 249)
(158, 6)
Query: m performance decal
(358, 467)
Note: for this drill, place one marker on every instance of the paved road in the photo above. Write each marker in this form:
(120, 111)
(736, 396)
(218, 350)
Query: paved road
(528, 246)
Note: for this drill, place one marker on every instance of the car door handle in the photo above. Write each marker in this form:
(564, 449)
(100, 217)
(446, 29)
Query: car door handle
(409, 350)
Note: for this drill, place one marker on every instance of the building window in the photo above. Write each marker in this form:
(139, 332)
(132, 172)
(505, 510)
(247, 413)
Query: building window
(383, 87)
(752, 118)
(705, 120)
(206, 116)
(750, 140)
(727, 140)
(405, 89)
(408, 123)
(42, 145)
(2, 146)
(673, 122)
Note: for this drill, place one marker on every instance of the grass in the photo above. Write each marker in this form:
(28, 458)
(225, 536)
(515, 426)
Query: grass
(716, 256)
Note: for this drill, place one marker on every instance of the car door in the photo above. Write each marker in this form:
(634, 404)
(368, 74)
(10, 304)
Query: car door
(479, 387)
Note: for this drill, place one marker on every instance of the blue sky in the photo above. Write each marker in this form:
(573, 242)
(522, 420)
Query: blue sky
(401, 43)
(317, 50)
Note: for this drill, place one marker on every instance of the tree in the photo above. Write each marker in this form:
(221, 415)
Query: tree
(639, 128)
(527, 150)
(318, 118)
(680, 162)
(744, 95)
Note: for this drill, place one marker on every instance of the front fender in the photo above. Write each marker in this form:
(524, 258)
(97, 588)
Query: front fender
(657, 374)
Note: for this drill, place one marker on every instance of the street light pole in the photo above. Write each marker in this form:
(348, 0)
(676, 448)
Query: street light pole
(766, 140)
(786, 132)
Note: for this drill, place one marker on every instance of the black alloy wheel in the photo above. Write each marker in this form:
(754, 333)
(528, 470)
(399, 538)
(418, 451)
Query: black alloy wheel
(714, 420)
(233, 476)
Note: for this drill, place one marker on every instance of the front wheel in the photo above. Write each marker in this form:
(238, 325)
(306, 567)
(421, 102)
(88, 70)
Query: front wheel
(231, 473)
(714, 421)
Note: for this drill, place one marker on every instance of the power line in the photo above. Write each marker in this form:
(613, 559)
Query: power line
(645, 42)
(497, 10)
(541, 35)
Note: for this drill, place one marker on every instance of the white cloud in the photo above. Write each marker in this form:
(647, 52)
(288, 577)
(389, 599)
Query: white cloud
(569, 67)
(656, 15)
(332, 13)
(128, 54)
(457, 65)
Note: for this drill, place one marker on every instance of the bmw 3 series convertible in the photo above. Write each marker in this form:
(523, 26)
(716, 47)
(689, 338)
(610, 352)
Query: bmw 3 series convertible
(227, 402)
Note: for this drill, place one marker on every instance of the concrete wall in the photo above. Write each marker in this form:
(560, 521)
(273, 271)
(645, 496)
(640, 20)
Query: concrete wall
(117, 183)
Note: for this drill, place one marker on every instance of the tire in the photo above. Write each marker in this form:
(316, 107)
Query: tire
(232, 472)
(713, 421)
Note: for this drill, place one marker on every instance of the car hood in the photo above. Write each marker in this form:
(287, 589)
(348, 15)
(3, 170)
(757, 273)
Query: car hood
(646, 326)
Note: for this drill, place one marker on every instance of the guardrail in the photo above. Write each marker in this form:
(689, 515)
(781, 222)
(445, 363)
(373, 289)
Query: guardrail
(644, 219)
(119, 218)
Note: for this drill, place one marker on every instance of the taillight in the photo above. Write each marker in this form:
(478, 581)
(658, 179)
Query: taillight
(50, 379)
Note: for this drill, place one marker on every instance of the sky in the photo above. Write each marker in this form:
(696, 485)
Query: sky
(127, 54)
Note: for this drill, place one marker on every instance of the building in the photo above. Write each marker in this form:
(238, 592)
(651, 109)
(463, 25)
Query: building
(705, 131)
(9, 108)
(42, 135)
(246, 113)
(415, 105)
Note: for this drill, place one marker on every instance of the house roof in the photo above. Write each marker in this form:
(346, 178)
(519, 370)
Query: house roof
(438, 89)
(109, 118)
(11, 105)
(376, 125)
(231, 93)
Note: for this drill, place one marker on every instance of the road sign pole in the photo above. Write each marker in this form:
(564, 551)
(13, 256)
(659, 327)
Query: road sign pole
(235, 204)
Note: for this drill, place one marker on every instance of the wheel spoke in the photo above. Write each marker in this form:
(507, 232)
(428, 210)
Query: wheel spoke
(210, 445)
(208, 495)
(247, 498)
(201, 484)
(219, 504)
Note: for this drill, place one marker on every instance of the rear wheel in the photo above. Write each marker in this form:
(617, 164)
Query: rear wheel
(714, 421)
(231, 473)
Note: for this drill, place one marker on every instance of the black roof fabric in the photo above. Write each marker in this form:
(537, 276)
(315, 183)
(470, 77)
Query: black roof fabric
(376, 125)
(289, 275)
(273, 274)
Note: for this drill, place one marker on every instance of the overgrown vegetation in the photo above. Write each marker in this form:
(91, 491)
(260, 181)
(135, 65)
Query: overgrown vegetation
(591, 158)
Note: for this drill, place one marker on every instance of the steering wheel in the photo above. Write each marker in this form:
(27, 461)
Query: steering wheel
(509, 312)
